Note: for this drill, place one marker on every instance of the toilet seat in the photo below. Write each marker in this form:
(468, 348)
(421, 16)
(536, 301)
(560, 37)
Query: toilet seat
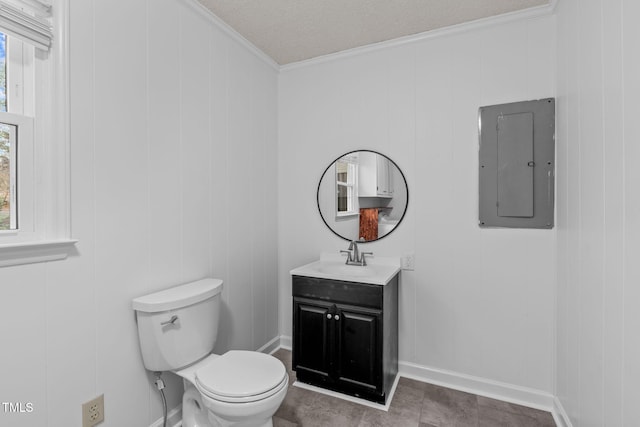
(241, 376)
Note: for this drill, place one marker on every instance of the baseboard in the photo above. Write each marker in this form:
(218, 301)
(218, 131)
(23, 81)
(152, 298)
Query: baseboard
(174, 418)
(271, 346)
(560, 415)
(524, 396)
(286, 342)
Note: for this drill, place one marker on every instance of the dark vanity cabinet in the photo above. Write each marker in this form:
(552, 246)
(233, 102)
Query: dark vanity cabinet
(345, 335)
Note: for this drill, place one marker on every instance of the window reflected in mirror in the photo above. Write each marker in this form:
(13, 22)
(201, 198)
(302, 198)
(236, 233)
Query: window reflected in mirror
(346, 173)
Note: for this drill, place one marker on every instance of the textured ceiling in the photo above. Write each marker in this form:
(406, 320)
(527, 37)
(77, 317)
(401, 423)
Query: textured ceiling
(295, 30)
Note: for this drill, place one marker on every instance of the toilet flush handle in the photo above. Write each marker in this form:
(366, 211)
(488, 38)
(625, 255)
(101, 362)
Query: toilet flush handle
(170, 321)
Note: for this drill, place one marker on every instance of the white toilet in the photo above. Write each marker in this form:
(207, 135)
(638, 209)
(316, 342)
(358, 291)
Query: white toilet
(177, 329)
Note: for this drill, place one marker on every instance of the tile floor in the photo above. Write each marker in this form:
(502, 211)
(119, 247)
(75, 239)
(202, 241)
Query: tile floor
(414, 404)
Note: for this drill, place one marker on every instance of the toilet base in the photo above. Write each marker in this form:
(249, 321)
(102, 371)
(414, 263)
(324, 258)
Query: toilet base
(196, 414)
(217, 422)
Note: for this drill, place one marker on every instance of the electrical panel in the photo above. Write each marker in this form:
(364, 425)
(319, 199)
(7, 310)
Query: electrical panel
(517, 164)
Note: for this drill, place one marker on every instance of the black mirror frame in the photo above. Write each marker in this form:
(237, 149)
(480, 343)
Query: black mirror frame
(406, 207)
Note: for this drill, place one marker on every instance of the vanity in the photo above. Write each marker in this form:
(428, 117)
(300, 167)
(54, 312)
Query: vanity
(345, 316)
(345, 327)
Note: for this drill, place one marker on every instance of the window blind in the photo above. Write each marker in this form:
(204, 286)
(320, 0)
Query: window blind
(27, 20)
(350, 158)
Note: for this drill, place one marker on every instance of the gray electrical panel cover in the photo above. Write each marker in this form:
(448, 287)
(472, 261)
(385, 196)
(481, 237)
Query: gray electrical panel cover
(516, 164)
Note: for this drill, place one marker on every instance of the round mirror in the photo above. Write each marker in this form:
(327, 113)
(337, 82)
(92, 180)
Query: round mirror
(362, 196)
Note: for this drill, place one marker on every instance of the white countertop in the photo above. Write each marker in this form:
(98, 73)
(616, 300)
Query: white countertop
(378, 271)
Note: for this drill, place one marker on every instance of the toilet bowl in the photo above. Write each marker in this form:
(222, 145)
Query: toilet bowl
(177, 329)
(239, 388)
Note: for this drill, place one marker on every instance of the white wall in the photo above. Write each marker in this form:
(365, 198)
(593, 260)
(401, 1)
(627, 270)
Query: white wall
(159, 201)
(480, 302)
(173, 144)
(598, 211)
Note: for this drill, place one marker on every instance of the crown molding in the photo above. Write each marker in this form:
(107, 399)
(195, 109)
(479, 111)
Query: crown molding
(515, 16)
(229, 31)
(520, 15)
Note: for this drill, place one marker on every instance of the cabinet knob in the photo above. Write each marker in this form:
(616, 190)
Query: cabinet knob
(336, 317)
(329, 316)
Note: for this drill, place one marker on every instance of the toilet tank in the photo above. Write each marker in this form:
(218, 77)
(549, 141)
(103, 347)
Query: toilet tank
(178, 326)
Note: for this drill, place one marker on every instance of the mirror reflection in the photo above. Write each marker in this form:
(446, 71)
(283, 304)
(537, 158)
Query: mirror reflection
(362, 196)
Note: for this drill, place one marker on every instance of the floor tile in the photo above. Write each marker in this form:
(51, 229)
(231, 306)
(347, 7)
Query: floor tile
(415, 404)
(492, 412)
(408, 382)
(445, 407)
(281, 422)
(308, 408)
(404, 410)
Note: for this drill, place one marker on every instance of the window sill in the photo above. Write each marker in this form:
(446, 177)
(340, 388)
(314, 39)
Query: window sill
(33, 252)
(347, 215)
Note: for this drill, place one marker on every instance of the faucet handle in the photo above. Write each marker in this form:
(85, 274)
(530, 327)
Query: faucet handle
(349, 258)
(363, 260)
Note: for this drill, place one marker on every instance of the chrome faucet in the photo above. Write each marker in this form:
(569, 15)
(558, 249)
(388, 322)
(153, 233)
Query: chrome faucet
(355, 257)
(353, 246)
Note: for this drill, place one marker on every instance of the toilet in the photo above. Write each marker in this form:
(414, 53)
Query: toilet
(177, 330)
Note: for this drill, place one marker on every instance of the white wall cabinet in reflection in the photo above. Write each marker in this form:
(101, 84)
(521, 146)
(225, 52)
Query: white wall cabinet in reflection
(375, 177)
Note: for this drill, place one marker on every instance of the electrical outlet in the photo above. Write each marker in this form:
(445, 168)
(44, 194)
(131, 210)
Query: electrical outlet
(93, 411)
(409, 261)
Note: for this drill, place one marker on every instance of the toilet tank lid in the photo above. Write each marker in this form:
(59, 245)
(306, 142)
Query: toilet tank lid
(178, 296)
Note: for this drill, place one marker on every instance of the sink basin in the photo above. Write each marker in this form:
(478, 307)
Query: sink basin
(346, 270)
(375, 274)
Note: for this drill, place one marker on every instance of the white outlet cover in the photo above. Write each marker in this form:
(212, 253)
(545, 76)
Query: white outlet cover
(408, 261)
(93, 412)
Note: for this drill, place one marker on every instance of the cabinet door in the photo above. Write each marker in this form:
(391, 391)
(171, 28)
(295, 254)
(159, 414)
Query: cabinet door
(382, 175)
(311, 337)
(359, 351)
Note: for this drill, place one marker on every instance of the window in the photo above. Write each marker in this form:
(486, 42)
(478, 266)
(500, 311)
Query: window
(16, 140)
(8, 204)
(34, 146)
(3, 72)
(16, 133)
(346, 185)
(7, 155)
(7, 178)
